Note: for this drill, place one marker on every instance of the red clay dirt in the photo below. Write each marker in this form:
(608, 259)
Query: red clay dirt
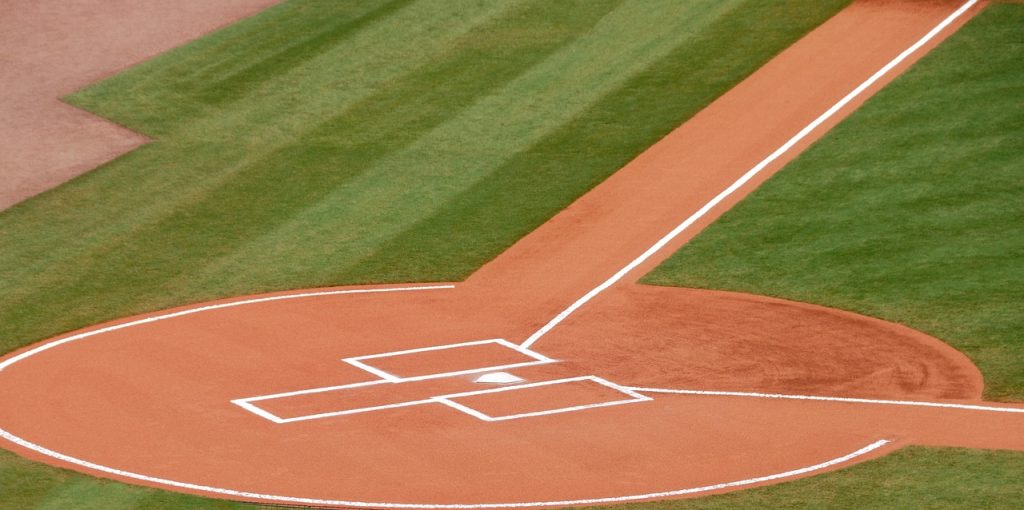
(150, 399)
(50, 48)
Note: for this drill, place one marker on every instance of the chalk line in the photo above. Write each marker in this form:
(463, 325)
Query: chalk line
(363, 504)
(56, 343)
(749, 175)
(917, 403)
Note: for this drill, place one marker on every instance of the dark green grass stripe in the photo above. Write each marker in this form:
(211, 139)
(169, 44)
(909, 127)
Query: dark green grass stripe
(911, 210)
(235, 85)
(299, 174)
(170, 89)
(545, 178)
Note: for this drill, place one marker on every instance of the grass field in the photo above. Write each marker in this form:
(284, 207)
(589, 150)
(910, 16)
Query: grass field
(308, 146)
(358, 156)
(911, 210)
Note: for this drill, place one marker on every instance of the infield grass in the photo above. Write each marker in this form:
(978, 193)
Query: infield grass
(322, 143)
(912, 210)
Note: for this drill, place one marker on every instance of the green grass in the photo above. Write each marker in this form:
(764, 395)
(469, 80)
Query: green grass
(324, 143)
(364, 149)
(912, 210)
(26, 485)
(912, 478)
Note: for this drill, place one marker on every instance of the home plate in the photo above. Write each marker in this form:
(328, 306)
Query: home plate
(498, 378)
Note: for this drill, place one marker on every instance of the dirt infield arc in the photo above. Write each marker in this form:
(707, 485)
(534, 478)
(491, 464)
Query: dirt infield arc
(366, 396)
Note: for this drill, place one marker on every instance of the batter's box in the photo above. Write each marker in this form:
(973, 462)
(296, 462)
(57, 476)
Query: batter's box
(541, 398)
(448, 360)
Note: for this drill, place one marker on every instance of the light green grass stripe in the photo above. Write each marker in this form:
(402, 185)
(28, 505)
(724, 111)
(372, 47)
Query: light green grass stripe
(296, 93)
(596, 143)
(411, 183)
(299, 173)
(911, 210)
(141, 188)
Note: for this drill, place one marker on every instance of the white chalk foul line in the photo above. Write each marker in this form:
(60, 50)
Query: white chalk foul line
(363, 504)
(783, 396)
(56, 343)
(749, 175)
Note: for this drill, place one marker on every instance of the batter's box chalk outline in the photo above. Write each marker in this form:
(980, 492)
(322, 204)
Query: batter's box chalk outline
(384, 377)
(358, 361)
(450, 400)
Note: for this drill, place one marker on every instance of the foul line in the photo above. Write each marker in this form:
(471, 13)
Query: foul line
(10, 361)
(362, 504)
(917, 403)
(747, 176)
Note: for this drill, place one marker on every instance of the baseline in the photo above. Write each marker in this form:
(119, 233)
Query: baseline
(853, 400)
(750, 174)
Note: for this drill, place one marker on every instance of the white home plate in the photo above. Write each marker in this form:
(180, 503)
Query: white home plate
(498, 378)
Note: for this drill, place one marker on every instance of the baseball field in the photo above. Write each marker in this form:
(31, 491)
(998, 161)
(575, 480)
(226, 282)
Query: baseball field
(393, 185)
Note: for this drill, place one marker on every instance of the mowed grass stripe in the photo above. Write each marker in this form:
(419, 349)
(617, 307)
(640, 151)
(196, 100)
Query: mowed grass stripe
(137, 236)
(411, 183)
(234, 86)
(295, 175)
(551, 173)
(149, 184)
(911, 210)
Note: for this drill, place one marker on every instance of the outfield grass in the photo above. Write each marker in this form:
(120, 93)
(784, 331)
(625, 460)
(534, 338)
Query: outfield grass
(912, 210)
(312, 146)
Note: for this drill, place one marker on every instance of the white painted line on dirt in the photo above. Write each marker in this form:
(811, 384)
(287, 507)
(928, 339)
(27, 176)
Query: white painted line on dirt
(258, 411)
(388, 378)
(449, 400)
(749, 175)
(917, 403)
(14, 359)
(313, 390)
(464, 408)
(354, 411)
(363, 504)
(373, 370)
(357, 361)
(396, 380)
(473, 371)
(430, 348)
(592, 378)
(499, 341)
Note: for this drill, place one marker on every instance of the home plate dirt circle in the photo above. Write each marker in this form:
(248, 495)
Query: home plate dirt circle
(156, 399)
(348, 386)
